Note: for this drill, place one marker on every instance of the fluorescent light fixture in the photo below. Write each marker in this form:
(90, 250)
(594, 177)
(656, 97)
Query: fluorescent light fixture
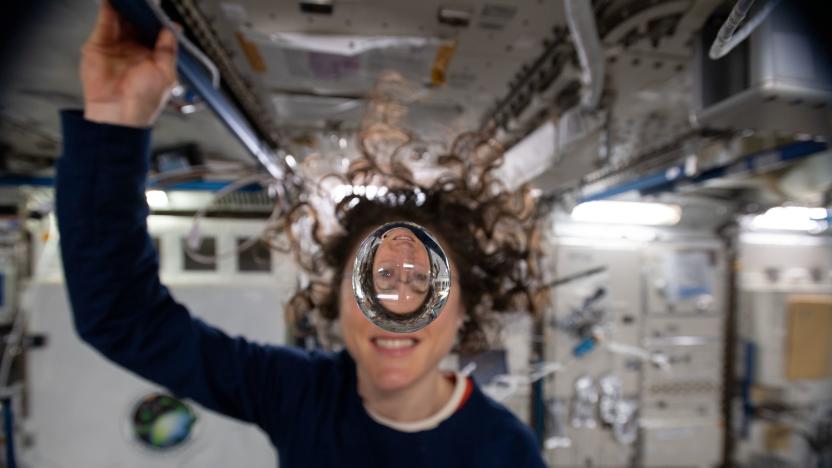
(627, 212)
(792, 218)
(156, 199)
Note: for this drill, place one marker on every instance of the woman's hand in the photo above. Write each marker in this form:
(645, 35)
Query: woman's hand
(125, 82)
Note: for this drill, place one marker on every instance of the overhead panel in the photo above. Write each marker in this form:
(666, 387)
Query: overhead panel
(644, 107)
(318, 68)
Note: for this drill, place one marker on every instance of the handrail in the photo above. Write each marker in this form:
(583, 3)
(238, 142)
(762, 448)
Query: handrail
(192, 70)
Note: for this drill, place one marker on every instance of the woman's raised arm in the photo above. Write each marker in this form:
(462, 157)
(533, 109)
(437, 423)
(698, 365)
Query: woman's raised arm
(111, 268)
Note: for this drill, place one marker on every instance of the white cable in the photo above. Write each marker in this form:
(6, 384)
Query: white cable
(728, 37)
(162, 179)
(545, 369)
(194, 236)
(660, 360)
(581, 21)
(504, 385)
(186, 43)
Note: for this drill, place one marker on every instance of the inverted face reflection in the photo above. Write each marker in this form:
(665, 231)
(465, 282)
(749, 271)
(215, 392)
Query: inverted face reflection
(401, 277)
(401, 271)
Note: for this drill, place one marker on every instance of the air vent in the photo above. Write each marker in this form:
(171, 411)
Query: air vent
(317, 7)
(258, 201)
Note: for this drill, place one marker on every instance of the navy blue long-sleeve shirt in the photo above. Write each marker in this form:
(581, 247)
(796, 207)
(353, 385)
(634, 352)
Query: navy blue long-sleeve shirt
(306, 402)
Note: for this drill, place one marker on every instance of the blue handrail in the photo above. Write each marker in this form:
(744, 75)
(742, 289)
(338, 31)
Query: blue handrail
(141, 15)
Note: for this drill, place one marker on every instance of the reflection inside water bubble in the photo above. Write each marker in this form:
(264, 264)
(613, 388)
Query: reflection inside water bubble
(401, 278)
(401, 271)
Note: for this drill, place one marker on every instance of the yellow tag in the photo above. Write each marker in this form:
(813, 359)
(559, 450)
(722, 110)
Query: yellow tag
(252, 53)
(438, 74)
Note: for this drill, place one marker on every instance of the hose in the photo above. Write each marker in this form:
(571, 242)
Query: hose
(728, 37)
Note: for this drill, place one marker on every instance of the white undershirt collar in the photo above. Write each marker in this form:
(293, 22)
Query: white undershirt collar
(461, 382)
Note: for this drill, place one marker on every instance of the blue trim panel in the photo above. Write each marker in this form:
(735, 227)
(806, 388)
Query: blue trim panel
(666, 180)
(196, 186)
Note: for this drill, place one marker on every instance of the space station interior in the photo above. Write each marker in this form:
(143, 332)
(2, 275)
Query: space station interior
(675, 154)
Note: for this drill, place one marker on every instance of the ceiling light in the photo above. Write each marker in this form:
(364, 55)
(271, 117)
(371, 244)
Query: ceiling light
(156, 199)
(792, 218)
(627, 212)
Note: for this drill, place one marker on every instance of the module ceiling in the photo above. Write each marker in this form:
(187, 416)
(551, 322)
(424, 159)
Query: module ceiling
(326, 81)
(308, 71)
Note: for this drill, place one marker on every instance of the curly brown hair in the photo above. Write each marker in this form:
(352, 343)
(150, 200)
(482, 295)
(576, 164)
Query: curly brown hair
(491, 233)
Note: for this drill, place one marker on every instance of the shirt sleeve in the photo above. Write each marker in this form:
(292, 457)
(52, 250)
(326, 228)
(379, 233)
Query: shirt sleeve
(121, 308)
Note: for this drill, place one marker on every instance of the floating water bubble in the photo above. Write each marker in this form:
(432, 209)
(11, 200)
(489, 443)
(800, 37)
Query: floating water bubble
(401, 277)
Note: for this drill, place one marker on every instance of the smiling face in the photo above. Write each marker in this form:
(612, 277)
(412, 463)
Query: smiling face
(393, 361)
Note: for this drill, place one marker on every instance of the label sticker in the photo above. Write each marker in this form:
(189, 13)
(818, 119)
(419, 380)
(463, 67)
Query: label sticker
(234, 12)
(438, 74)
(496, 16)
